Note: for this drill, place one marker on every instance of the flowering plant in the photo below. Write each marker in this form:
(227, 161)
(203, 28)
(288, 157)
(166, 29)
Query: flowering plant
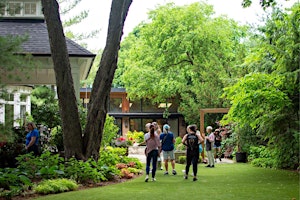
(121, 142)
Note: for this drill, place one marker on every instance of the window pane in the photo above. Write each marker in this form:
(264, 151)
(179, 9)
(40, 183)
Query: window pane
(14, 8)
(115, 105)
(135, 106)
(30, 9)
(2, 9)
(9, 115)
(135, 125)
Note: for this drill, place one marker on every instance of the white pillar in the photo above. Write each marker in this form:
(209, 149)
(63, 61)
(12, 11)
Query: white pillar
(17, 108)
(2, 113)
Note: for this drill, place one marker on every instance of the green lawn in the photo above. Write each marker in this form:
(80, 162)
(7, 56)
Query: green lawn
(225, 182)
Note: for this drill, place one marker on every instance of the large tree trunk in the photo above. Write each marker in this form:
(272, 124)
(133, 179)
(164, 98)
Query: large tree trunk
(71, 127)
(99, 98)
(89, 145)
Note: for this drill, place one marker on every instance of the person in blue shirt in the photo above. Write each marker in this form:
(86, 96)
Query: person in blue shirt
(32, 139)
(167, 143)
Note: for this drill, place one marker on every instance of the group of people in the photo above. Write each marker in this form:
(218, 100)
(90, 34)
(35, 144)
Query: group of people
(157, 141)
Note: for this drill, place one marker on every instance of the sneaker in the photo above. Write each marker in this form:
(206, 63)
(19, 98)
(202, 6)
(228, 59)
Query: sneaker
(161, 168)
(212, 166)
(185, 177)
(207, 166)
(147, 178)
(174, 172)
(195, 179)
(153, 179)
(166, 173)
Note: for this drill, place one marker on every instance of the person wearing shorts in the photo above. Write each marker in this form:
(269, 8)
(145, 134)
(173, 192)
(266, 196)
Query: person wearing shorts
(167, 143)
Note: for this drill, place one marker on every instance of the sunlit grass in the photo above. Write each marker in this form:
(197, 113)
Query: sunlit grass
(224, 182)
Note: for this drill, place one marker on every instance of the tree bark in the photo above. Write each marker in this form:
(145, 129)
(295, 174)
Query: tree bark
(71, 127)
(99, 99)
(74, 144)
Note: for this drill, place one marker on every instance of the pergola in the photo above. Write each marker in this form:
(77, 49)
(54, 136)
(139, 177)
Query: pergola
(209, 110)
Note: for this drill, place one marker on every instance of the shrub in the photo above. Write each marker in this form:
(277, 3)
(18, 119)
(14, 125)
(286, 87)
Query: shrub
(83, 171)
(13, 182)
(55, 186)
(182, 159)
(178, 144)
(135, 137)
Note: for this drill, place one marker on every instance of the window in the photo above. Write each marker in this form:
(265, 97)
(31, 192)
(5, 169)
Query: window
(29, 9)
(23, 97)
(9, 115)
(135, 106)
(14, 8)
(115, 105)
(2, 9)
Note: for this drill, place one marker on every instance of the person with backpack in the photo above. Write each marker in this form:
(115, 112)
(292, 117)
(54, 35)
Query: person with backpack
(192, 141)
(167, 144)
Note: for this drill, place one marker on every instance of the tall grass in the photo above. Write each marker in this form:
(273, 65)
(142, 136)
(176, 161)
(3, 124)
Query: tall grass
(224, 182)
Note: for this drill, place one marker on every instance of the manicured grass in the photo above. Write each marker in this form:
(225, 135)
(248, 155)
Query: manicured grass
(224, 182)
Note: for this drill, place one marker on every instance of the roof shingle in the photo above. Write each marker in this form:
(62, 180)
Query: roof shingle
(38, 40)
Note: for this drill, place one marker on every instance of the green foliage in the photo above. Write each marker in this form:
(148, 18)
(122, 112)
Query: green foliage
(182, 159)
(45, 108)
(9, 45)
(110, 131)
(267, 98)
(83, 171)
(44, 166)
(55, 186)
(135, 136)
(13, 182)
(178, 144)
(261, 156)
(192, 54)
(56, 138)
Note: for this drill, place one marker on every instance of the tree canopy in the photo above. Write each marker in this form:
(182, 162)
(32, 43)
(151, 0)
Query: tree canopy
(268, 97)
(183, 52)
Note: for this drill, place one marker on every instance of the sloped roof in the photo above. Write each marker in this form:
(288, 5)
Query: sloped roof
(38, 40)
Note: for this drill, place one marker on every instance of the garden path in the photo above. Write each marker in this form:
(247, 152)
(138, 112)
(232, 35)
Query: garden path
(138, 152)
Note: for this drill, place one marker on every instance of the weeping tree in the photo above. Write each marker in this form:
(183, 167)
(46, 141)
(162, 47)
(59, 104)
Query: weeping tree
(85, 143)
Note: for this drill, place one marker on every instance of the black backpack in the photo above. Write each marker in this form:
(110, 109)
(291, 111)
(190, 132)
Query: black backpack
(192, 142)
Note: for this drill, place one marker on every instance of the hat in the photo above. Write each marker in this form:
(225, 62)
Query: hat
(166, 127)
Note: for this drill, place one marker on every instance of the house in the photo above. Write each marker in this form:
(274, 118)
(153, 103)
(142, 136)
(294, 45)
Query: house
(24, 17)
(133, 115)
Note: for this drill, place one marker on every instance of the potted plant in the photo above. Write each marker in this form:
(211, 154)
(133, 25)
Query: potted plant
(241, 153)
(179, 149)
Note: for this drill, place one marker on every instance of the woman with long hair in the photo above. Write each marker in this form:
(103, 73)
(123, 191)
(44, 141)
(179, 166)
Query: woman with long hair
(153, 148)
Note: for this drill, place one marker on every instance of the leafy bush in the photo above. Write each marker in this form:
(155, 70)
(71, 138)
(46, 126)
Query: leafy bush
(13, 182)
(182, 159)
(261, 156)
(83, 171)
(45, 166)
(55, 186)
(110, 131)
(135, 136)
(178, 144)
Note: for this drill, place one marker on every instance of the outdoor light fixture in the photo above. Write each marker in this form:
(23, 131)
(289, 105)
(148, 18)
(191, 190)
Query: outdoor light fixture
(164, 105)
